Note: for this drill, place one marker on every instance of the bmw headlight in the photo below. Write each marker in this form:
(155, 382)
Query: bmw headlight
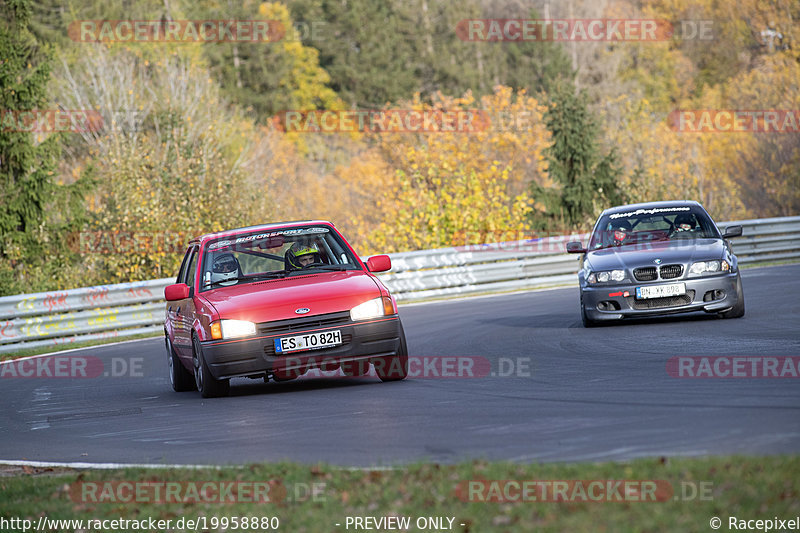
(231, 329)
(606, 276)
(701, 268)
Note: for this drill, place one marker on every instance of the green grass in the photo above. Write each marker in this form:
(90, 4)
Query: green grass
(745, 487)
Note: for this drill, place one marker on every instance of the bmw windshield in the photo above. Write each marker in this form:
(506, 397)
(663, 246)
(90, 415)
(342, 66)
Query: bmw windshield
(248, 257)
(648, 225)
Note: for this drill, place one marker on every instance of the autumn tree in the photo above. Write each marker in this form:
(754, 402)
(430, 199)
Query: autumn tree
(440, 189)
(174, 170)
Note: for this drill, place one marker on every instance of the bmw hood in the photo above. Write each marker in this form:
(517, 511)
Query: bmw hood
(646, 254)
(279, 299)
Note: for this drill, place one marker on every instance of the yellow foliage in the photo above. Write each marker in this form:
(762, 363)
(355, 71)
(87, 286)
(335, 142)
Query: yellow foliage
(445, 184)
(660, 163)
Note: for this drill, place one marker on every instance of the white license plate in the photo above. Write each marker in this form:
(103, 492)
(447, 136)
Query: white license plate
(660, 291)
(309, 341)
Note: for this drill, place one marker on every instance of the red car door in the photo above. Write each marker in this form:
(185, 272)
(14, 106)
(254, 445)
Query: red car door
(181, 312)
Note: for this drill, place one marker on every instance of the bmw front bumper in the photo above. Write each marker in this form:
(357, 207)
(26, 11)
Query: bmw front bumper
(609, 301)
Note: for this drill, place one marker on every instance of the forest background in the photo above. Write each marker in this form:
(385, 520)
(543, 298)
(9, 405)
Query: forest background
(192, 140)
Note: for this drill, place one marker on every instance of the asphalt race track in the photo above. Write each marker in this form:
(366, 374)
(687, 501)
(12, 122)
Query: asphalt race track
(574, 394)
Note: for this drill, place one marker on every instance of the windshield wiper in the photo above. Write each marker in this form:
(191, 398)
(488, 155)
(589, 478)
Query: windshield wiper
(328, 267)
(272, 275)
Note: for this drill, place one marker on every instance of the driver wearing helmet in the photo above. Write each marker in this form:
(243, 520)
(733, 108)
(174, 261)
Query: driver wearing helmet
(684, 222)
(225, 269)
(620, 230)
(300, 256)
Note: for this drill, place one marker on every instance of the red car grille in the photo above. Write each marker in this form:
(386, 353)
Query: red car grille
(302, 323)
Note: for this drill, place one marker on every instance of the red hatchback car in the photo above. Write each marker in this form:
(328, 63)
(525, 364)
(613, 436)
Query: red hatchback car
(274, 301)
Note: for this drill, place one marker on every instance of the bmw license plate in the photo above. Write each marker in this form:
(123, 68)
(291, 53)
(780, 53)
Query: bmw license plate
(310, 341)
(660, 291)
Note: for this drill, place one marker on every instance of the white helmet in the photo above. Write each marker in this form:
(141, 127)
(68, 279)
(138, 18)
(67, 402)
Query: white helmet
(225, 267)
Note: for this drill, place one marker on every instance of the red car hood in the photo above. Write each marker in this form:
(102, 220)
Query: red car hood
(277, 299)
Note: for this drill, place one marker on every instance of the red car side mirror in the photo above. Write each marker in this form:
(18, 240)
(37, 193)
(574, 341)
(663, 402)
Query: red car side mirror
(379, 263)
(178, 291)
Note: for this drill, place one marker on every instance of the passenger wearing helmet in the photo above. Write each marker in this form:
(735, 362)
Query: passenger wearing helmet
(300, 256)
(225, 267)
(620, 229)
(684, 222)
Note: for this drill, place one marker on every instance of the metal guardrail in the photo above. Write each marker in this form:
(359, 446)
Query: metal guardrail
(125, 309)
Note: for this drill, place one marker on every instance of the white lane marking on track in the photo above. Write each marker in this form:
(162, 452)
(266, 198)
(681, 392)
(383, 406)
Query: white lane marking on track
(40, 395)
(109, 466)
(101, 466)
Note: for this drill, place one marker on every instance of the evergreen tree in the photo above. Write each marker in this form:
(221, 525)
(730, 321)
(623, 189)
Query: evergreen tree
(35, 214)
(367, 47)
(586, 179)
(378, 52)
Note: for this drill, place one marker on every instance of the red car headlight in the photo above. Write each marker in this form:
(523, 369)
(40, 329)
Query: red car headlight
(231, 329)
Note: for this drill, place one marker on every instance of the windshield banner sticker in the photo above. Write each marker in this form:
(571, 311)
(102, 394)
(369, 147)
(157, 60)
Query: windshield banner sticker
(258, 236)
(653, 211)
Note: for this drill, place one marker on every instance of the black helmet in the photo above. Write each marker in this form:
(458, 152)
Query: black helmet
(685, 222)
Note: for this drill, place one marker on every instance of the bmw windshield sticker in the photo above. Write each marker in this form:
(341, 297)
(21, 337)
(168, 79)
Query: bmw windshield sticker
(249, 238)
(653, 211)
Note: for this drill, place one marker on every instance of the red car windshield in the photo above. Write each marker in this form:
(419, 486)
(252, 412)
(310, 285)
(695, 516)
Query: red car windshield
(656, 224)
(253, 256)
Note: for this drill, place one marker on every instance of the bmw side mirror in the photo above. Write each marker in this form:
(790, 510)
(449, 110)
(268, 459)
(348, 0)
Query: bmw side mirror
(575, 247)
(732, 231)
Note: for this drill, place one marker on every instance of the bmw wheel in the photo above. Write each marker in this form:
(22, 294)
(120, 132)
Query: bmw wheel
(737, 311)
(587, 322)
